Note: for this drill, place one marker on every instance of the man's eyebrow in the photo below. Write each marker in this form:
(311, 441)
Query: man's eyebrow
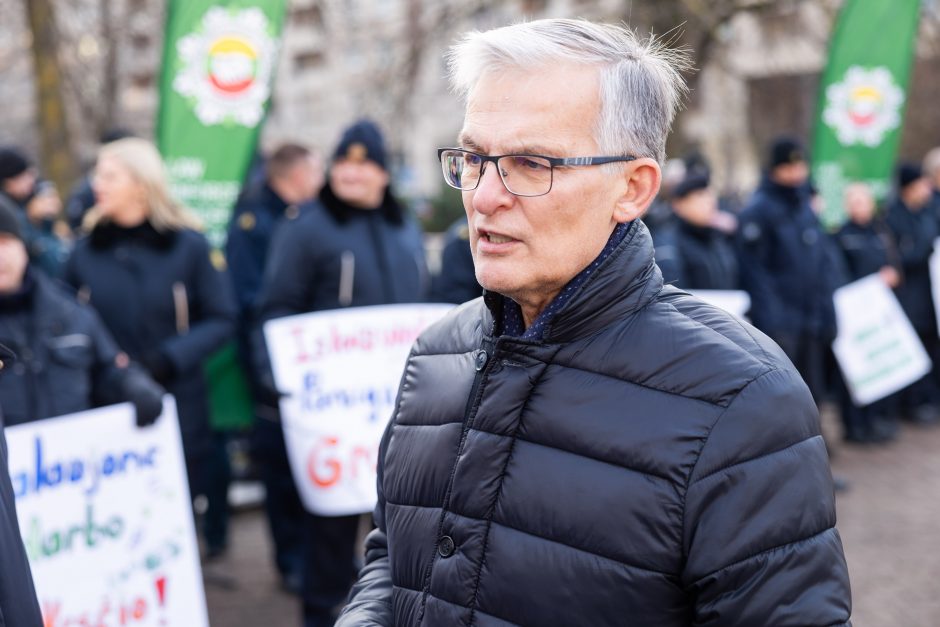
(465, 141)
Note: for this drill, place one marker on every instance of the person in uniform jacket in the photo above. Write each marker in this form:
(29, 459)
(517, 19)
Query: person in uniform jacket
(354, 248)
(457, 281)
(868, 248)
(148, 273)
(584, 445)
(293, 176)
(66, 361)
(691, 253)
(788, 264)
(915, 228)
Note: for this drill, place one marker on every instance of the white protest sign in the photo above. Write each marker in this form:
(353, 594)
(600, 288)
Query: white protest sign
(105, 515)
(877, 349)
(735, 302)
(934, 265)
(341, 370)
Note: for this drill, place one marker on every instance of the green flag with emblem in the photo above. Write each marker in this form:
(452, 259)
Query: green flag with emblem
(218, 67)
(862, 97)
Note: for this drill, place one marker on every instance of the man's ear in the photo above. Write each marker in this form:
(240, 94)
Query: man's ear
(640, 184)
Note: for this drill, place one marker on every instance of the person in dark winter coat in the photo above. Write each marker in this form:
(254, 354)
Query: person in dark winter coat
(66, 361)
(868, 248)
(36, 205)
(293, 176)
(149, 275)
(788, 264)
(356, 247)
(457, 281)
(691, 253)
(915, 228)
(584, 445)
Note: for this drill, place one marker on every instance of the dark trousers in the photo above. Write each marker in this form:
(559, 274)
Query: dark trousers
(218, 477)
(282, 502)
(329, 568)
(808, 354)
(209, 475)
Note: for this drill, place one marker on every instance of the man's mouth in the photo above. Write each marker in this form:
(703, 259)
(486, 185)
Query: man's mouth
(497, 239)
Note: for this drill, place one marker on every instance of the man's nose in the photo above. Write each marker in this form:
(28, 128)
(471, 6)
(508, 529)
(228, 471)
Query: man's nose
(491, 194)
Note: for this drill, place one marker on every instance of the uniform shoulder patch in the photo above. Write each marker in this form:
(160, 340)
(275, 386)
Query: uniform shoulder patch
(247, 221)
(217, 257)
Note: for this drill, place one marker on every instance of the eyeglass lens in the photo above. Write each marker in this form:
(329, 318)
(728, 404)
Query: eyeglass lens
(522, 175)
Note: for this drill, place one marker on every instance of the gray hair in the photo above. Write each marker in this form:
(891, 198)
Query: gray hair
(641, 87)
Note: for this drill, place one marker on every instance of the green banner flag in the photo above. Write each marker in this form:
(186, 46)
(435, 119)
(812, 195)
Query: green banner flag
(218, 64)
(862, 97)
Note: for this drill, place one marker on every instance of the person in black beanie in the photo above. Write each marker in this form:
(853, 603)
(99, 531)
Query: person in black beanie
(691, 253)
(915, 229)
(37, 206)
(354, 247)
(788, 264)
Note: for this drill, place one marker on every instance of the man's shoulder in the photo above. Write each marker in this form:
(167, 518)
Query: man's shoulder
(681, 345)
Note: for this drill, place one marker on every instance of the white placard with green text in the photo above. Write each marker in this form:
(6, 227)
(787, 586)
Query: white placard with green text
(877, 348)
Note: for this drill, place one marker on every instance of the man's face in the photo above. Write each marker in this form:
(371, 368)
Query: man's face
(529, 248)
(359, 183)
(304, 179)
(916, 195)
(791, 174)
(20, 186)
(698, 207)
(13, 259)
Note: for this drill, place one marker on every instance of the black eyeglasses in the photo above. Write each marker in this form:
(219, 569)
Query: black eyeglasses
(523, 175)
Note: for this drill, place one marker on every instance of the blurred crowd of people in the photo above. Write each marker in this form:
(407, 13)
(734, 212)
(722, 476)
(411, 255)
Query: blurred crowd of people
(775, 248)
(115, 295)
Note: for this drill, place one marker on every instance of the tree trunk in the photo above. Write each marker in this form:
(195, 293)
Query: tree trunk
(56, 156)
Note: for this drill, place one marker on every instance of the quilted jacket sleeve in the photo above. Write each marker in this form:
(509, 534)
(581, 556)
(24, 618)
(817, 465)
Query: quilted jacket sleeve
(370, 600)
(759, 530)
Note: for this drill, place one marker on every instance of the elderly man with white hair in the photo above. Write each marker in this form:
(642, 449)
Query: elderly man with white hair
(582, 445)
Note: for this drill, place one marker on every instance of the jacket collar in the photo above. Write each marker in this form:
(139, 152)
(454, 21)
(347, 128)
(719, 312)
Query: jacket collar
(792, 196)
(108, 234)
(625, 281)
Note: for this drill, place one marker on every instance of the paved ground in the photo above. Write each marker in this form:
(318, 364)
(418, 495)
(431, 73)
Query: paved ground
(889, 520)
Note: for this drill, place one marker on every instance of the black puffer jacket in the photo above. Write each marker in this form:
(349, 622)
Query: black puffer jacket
(652, 462)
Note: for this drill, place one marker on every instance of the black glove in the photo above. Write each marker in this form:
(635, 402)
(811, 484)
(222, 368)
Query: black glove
(145, 394)
(159, 366)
